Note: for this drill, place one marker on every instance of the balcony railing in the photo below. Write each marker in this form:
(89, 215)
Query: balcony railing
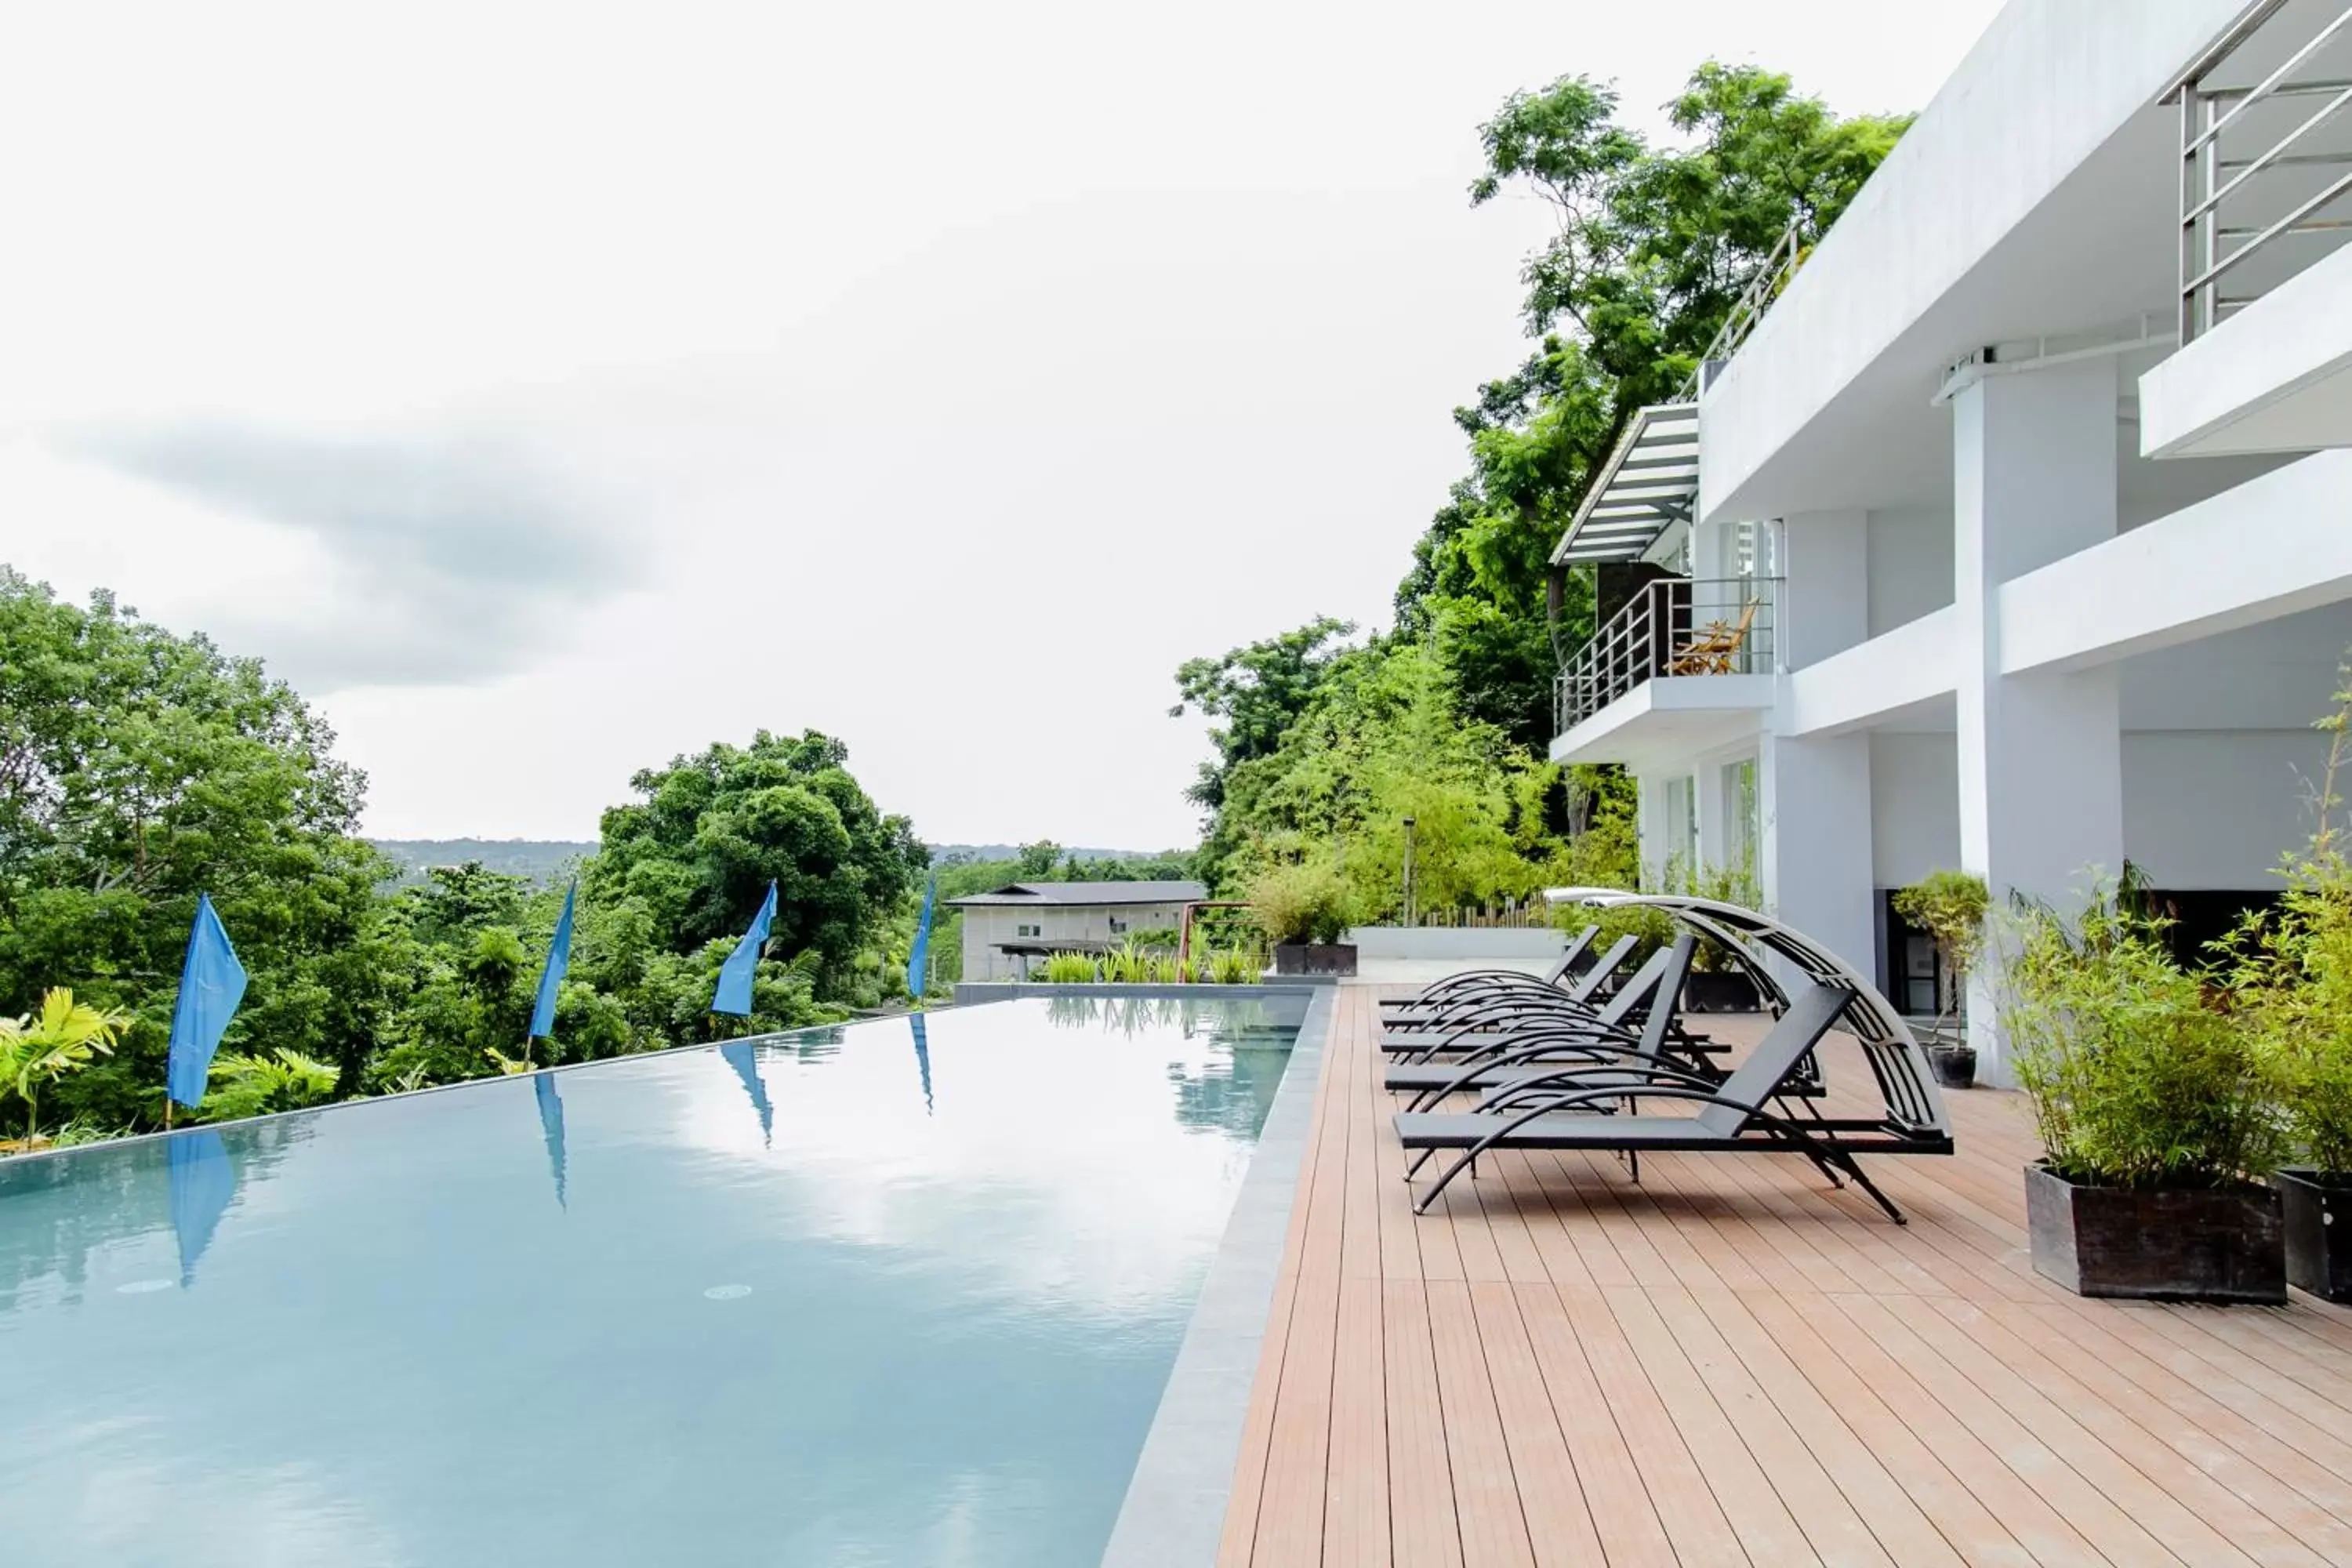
(1781, 264)
(1673, 626)
(2265, 157)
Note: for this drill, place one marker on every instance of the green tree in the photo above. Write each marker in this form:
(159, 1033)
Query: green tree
(1259, 692)
(1651, 247)
(138, 769)
(696, 853)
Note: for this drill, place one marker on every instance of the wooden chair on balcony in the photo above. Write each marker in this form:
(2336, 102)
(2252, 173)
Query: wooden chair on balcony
(1716, 649)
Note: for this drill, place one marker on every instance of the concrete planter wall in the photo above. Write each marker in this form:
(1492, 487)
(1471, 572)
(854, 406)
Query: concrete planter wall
(2226, 1244)
(1470, 943)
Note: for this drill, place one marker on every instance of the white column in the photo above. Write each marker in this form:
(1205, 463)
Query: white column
(1713, 557)
(2040, 760)
(1650, 821)
(1813, 857)
(1823, 604)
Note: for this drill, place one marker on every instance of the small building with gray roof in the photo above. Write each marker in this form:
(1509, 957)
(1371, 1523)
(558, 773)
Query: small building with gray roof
(1006, 928)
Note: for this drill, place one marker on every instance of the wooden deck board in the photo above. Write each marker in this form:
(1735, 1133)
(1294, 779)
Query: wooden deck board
(1731, 1361)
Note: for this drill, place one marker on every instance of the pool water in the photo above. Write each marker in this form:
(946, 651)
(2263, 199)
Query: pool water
(900, 1292)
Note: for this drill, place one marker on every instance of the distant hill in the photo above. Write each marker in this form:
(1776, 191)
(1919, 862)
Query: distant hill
(1013, 852)
(541, 859)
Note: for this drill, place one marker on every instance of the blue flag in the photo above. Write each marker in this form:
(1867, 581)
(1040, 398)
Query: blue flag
(734, 992)
(559, 959)
(744, 1058)
(551, 1129)
(202, 1182)
(212, 983)
(919, 960)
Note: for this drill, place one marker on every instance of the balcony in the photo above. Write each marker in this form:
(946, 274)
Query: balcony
(2265, 307)
(1674, 629)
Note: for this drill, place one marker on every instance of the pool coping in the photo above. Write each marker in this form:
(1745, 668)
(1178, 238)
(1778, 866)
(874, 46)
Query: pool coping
(1174, 1512)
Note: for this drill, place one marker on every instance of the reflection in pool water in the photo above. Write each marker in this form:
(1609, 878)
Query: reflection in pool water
(797, 1300)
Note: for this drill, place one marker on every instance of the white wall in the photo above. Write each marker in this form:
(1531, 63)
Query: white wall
(2216, 808)
(1995, 217)
(1915, 806)
(1910, 564)
(2202, 809)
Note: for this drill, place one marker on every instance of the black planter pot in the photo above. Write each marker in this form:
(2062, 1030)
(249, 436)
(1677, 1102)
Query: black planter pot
(2318, 1233)
(1315, 958)
(1955, 1065)
(2217, 1244)
(1719, 991)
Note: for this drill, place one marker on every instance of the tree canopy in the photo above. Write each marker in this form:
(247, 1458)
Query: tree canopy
(1651, 245)
(139, 769)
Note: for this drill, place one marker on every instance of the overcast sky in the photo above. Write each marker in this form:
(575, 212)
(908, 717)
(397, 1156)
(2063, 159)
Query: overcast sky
(546, 391)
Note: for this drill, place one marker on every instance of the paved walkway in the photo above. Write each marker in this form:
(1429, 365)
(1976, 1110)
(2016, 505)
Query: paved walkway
(1733, 1364)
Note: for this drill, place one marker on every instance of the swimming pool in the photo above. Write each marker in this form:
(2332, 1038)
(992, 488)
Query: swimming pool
(898, 1292)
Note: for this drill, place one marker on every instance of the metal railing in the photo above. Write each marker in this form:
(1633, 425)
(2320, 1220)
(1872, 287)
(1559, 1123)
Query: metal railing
(1673, 626)
(2255, 170)
(1781, 264)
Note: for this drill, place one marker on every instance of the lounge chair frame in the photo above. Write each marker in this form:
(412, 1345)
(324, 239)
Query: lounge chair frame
(1914, 1121)
(1437, 993)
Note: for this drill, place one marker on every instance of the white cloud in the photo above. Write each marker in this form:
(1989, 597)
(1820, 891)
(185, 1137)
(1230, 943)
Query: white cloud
(939, 377)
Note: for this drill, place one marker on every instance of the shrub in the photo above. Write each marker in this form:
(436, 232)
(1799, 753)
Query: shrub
(2291, 970)
(1232, 966)
(2292, 980)
(2135, 1077)
(256, 1085)
(1306, 903)
(1070, 969)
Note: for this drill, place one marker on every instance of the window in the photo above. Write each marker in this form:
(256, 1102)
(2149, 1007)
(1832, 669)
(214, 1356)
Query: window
(1742, 820)
(1681, 826)
(1028, 931)
(1117, 926)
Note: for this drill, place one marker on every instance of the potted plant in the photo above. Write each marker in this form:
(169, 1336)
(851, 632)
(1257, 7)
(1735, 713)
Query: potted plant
(2155, 1111)
(1951, 907)
(1304, 910)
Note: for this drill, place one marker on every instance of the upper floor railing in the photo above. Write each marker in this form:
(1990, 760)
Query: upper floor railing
(1672, 625)
(2265, 155)
(1779, 265)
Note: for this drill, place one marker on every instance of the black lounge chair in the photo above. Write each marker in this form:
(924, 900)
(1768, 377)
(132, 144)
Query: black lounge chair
(1498, 1008)
(1734, 1117)
(1454, 987)
(1538, 1051)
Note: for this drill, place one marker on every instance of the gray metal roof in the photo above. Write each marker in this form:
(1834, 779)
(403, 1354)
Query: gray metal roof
(1650, 481)
(1041, 895)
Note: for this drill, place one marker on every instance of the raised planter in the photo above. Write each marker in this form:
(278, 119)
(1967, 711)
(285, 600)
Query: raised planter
(1315, 958)
(2318, 1233)
(1719, 990)
(2214, 1244)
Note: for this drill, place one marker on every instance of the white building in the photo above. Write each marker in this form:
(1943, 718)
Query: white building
(1005, 929)
(2046, 525)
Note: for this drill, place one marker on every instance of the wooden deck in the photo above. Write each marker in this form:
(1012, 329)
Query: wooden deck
(1733, 1364)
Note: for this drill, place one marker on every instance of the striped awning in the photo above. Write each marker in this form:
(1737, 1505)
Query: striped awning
(1649, 482)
